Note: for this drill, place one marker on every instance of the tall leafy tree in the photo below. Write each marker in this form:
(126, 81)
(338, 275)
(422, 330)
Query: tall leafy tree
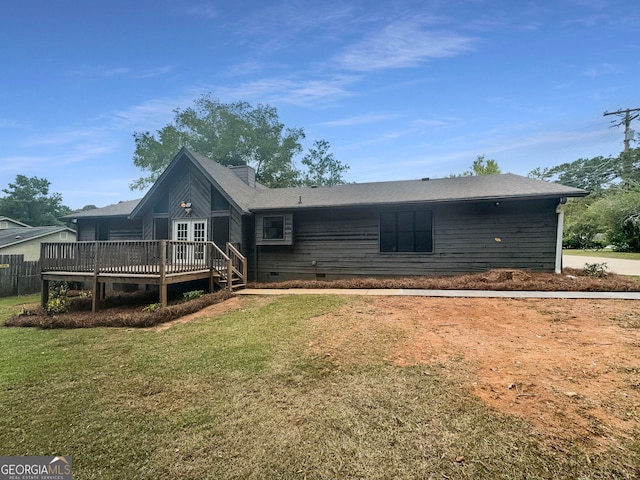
(322, 168)
(593, 174)
(229, 133)
(611, 213)
(28, 200)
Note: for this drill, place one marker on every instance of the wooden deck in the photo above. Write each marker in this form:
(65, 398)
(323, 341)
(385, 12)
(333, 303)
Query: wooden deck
(149, 262)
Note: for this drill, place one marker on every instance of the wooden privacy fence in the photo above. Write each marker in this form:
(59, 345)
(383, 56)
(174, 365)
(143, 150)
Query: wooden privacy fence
(17, 276)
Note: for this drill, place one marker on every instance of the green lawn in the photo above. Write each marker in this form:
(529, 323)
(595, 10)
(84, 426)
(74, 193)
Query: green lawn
(604, 253)
(243, 395)
(11, 305)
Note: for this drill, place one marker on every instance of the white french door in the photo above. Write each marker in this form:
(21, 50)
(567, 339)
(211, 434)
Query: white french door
(191, 231)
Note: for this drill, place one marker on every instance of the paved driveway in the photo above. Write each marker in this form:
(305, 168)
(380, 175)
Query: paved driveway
(615, 265)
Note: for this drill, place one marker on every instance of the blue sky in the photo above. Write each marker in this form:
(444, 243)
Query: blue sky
(401, 89)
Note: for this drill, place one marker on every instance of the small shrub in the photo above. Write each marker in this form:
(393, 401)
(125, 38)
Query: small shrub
(154, 307)
(57, 302)
(192, 295)
(595, 269)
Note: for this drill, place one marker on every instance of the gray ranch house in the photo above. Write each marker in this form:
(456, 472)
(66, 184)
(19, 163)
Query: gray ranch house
(400, 228)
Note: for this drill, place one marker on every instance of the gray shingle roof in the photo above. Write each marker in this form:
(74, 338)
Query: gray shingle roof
(239, 192)
(13, 236)
(122, 209)
(485, 187)
(248, 199)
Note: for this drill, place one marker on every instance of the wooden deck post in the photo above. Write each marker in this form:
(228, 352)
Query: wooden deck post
(163, 273)
(212, 282)
(95, 294)
(45, 293)
(229, 274)
(45, 283)
(245, 271)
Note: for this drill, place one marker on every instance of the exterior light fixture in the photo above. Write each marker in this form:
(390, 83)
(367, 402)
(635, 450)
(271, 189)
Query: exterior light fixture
(186, 206)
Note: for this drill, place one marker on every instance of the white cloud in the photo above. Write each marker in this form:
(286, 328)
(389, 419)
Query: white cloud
(403, 43)
(60, 138)
(22, 163)
(358, 120)
(600, 70)
(152, 114)
(288, 90)
(99, 71)
(8, 123)
(204, 10)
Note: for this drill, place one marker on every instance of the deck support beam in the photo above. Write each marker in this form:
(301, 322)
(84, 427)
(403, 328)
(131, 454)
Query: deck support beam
(163, 273)
(45, 293)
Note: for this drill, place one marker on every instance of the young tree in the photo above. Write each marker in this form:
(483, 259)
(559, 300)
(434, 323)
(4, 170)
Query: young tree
(322, 167)
(480, 166)
(28, 200)
(229, 133)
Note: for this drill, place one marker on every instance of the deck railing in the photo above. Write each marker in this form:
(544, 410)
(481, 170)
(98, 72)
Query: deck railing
(141, 257)
(238, 263)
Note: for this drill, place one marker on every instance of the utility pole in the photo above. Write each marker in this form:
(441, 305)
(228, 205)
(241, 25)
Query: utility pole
(626, 121)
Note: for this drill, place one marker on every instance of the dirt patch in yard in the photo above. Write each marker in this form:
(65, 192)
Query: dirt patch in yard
(570, 367)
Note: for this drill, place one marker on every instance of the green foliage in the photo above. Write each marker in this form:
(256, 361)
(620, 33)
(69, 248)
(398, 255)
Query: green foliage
(57, 302)
(232, 134)
(28, 200)
(611, 214)
(192, 295)
(480, 166)
(594, 174)
(623, 217)
(322, 167)
(154, 307)
(582, 224)
(615, 216)
(595, 269)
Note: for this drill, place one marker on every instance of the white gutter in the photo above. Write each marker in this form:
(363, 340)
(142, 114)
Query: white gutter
(560, 212)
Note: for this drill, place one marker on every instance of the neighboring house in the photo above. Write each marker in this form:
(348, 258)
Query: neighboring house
(6, 222)
(21, 239)
(416, 227)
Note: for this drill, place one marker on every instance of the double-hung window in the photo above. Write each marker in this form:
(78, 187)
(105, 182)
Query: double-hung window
(406, 231)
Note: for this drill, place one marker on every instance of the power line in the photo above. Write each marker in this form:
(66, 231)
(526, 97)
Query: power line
(627, 117)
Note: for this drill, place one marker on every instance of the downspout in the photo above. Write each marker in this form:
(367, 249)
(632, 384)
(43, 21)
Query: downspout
(560, 212)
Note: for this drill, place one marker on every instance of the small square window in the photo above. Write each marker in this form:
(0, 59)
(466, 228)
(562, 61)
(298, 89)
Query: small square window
(273, 228)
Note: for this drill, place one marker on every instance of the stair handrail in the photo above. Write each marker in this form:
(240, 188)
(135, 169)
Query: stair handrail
(237, 258)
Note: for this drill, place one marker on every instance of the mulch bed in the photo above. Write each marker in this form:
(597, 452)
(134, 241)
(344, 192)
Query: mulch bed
(116, 310)
(572, 280)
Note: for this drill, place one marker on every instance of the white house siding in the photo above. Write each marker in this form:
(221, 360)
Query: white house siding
(31, 248)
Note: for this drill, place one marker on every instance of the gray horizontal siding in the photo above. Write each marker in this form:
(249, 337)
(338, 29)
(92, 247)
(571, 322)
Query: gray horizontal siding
(346, 243)
(123, 229)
